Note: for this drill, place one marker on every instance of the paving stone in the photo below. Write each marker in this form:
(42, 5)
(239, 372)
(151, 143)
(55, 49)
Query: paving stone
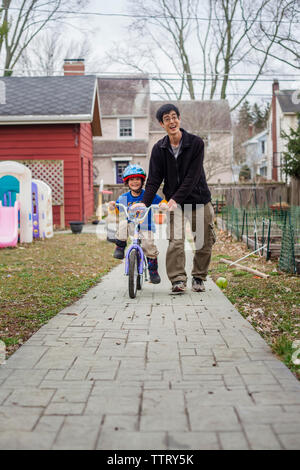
(26, 357)
(20, 440)
(49, 424)
(262, 437)
(233, 441)
(4, 394)
(4, 373)
(265, 414)
(84, 431)
(287, 428)
(110, 399)
(14, 418)
(73, 394)
(65, 409)
(257, 379)
(193, 440)
(24, 378)
(213, 418)
(217, 397)
(277, 398)
(290, 441)
(126, 440)
(29, 397)
(120, 423)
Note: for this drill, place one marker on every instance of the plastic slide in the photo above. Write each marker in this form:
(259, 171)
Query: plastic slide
(9, 225)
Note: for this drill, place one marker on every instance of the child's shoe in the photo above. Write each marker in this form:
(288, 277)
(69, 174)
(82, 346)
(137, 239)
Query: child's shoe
(120, 249)
(153, 273)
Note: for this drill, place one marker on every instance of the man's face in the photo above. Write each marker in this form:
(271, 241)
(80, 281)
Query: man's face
(171, 123)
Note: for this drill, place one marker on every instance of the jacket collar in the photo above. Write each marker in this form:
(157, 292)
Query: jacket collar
(186, 141)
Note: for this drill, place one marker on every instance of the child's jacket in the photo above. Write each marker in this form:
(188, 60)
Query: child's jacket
(127, 200)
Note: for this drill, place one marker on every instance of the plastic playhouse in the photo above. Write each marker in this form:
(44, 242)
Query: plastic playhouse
(25, 206)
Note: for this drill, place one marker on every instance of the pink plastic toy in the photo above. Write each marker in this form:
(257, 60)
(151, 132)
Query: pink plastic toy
(9, 222)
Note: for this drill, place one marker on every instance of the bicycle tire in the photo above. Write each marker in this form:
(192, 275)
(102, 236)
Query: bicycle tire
(140, 280)
(133, 274)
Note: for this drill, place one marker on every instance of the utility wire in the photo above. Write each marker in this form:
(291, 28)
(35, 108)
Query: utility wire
(128, 15)
(156, 78)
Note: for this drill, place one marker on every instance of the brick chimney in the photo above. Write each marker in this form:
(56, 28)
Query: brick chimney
(73, 67)
(251, 130)
(275, 88)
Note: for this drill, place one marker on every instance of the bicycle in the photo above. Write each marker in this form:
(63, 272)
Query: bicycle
(135, 260)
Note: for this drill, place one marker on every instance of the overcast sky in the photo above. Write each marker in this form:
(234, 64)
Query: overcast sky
(104, 31)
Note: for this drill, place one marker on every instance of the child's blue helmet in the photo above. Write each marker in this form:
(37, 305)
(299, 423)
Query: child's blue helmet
(134, 171)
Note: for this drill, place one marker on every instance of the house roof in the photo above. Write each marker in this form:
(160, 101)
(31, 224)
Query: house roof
(289, 100)
(255, 139)
(46, 100)
(197, 116)
(114, 148)
(124, 96)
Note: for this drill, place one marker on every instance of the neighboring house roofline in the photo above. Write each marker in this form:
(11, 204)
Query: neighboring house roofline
(286, 101)
(124, 116)
(255, 138)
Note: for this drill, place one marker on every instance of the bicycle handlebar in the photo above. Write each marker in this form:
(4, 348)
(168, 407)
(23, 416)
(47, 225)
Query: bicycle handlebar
(137, 220)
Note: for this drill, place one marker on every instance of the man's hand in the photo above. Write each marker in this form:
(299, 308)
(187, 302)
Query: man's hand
(111, 205)
(172, 205)
(163, 206)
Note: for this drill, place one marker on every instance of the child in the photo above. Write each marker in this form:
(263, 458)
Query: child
(134, 176)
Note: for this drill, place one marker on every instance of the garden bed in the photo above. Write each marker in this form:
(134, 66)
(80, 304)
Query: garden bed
(271, 305)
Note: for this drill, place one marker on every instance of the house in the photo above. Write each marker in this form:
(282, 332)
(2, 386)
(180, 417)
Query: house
(48, 124)
(125, 123)
(256, 154)
(282, 117)
(130, 129)
(211, 121)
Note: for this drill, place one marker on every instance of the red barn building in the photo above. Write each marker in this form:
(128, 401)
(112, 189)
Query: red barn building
(48, 124)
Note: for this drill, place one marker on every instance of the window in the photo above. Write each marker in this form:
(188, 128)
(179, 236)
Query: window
(120, 167)
(263, 147)
(125, 128)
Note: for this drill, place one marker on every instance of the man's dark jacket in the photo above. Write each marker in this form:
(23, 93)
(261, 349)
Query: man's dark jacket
(184, 177)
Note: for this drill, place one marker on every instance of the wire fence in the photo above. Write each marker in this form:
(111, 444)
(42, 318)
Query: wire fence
(273, 232)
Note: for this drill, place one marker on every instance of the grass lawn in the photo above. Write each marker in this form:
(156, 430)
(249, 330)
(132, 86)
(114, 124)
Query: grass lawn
(271, 305)
(38, 280)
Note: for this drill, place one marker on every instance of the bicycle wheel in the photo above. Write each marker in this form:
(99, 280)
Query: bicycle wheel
(133, 274)
(140, 281)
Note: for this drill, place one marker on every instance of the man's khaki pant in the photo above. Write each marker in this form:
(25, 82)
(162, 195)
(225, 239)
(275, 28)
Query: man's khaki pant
(125, 229)
(201, 221)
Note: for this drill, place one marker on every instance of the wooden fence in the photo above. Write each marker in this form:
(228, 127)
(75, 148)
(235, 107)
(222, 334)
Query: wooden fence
(244, 195)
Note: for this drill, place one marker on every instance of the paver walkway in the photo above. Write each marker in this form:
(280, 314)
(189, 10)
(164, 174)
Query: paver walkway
(157, 372)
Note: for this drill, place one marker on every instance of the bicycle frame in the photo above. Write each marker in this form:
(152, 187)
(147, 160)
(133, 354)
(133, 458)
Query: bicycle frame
(136, 237)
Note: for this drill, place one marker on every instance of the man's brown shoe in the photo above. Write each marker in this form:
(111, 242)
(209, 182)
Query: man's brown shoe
(198, 285)
(178, 287)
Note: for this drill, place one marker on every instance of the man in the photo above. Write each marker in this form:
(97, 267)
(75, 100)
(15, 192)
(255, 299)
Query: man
(177, 159)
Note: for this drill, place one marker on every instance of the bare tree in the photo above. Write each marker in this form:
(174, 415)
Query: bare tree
(206, 41)
(47, 52)
(3, 28)
(25, 20)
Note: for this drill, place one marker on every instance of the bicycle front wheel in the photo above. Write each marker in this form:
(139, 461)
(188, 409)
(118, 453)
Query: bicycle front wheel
(133, 274)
